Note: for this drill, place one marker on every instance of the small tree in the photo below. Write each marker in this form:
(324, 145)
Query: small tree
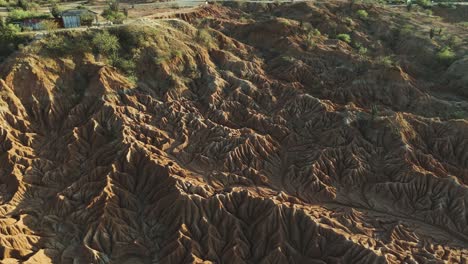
(105, 43)
(114, 16)
(86, 18)
(8, 32)
(55, 10)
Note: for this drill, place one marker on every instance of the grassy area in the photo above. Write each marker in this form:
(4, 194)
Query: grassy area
(20, 14)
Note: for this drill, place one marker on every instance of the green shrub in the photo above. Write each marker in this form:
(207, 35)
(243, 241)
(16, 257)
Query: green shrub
(344, 37)
(8, 32)
(316, 32)
(309, 29)
(386, 61)
(362, 14)
(4, 3)
(86, 18)
(10, 39)
(127, 66)
(105, 43)
(349, 21)
(8, 35)
(446, 56)
(289, 59)
(115, 17)
(362, 50)
(455, 41)
(57, 44)
(113, 13)
(63, 43)
(131, 36)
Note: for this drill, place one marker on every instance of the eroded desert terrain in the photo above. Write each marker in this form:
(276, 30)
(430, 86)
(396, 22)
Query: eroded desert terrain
(247, 134)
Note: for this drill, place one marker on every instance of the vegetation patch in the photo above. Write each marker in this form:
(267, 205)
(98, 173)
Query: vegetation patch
(105, 43)
(20, 14)
(10, 40)
(386, 61)
(446, 56)
(344, 37)
(113, 13)
(309, 41)
(66, 44)
(458, 115)
(362, 14)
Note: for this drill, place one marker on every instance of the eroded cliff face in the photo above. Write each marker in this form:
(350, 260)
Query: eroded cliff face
(247, 149)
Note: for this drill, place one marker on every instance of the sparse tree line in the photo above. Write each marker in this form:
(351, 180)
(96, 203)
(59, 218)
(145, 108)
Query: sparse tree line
(24, 10)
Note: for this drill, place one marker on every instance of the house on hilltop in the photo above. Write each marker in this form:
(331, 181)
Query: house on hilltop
(78, 17)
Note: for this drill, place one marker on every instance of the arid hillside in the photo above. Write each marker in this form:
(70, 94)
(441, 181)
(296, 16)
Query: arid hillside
(243, 133)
